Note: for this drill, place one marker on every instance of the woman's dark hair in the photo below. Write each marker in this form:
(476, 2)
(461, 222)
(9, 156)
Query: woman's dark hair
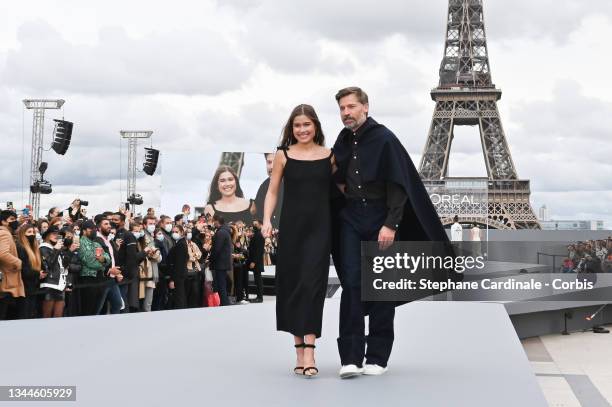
(213, 192)
(288, 138)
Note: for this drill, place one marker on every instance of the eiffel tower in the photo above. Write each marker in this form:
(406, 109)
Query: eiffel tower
(466, 96)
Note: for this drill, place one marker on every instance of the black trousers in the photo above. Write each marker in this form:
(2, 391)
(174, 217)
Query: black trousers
(90, 294)
(220, 285)
(11, 307)
(193, 290)
(179, 295)
(241, 281)
(362, 222)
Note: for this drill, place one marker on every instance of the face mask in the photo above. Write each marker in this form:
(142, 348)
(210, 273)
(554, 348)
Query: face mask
(151, 228)
(168, 227)
(77, 233)
(67, 242)
(176, 236)
(39, 237)
(14, 225)
(31, 239)
(160, 237)
(136, 235)
(111, 236)
(189, 236)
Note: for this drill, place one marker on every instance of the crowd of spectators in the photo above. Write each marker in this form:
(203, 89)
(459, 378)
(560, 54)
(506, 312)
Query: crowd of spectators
(69, 264)
(592, 256)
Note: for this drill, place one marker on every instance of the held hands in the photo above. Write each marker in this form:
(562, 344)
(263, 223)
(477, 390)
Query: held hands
(266, 229)
(385, 238)
(42, 275)
(119, 277)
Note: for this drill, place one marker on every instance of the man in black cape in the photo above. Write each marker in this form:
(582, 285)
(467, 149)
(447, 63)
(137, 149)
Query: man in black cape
(383, 200)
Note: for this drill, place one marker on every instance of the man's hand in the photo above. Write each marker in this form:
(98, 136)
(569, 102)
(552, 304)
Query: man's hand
(386, 237)
(252, 266)
(119, 277)
(171, 285)
(114, 271)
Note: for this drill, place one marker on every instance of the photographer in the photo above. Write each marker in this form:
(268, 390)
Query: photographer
(76, 211)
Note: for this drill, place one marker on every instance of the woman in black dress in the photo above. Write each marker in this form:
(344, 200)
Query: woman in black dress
(304, 243)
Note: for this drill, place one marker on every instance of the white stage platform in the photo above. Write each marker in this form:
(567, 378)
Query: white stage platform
(445, 354)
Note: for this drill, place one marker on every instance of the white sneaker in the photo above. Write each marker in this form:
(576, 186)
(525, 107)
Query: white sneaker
(244, 302)
(374, 370)
(347, 371)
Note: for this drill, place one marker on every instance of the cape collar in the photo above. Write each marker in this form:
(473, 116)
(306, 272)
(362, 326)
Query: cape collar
(347, 134)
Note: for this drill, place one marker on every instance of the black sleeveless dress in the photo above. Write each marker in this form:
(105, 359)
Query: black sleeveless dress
(233, 217)
(304, 246)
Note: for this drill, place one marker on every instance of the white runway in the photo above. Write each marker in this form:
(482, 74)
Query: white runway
(445, 354)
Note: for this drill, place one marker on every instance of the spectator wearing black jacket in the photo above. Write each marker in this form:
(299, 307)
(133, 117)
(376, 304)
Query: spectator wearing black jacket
(54, 284)
(177, 264)
(70, 255)
(131, 256)
(221, 257)
(160, 294)
(255, 261)
(31, 269)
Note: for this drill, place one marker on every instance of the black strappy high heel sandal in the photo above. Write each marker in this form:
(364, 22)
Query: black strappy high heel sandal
(310, 368)
(299, 370)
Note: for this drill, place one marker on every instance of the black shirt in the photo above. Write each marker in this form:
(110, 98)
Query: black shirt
(393, 194)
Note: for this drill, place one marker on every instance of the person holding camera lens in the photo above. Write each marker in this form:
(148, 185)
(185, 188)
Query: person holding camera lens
(76, 211)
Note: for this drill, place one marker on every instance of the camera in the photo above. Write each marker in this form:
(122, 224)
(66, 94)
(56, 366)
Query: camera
(84, 203)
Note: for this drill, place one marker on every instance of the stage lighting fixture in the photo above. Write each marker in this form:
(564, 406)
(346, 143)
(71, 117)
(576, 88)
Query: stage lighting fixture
(135, 199)
(41, 187)
(42, 168)
(151, 158)
(62, 136)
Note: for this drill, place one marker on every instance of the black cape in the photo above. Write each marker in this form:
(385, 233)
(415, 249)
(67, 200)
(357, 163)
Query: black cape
(385, 159)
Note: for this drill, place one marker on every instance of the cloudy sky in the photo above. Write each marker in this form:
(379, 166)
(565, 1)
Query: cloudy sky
(210, 76)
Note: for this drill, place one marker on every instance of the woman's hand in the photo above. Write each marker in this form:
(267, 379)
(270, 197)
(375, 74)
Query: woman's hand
(42, 275)
(266, 229)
